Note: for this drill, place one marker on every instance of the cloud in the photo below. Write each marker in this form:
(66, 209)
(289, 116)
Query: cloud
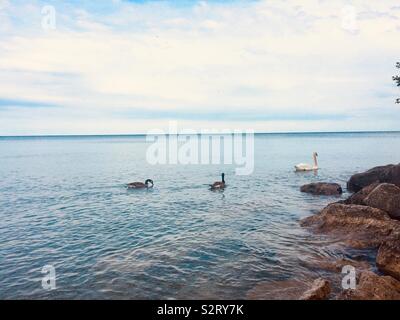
(131, 65)
(7, 103)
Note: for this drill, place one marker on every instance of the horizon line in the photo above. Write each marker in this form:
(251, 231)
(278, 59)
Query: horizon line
(197, 133)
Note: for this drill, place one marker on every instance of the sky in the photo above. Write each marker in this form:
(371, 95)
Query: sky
(124, 67)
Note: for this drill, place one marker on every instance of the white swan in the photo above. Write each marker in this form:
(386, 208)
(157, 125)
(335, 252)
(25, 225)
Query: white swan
(308, 167)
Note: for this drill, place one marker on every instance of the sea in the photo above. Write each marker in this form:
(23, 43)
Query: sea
(64, 207)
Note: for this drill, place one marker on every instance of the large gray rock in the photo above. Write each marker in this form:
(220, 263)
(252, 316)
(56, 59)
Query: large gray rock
(322, 188)
(357, 226)
(386, 197)
(388, 174)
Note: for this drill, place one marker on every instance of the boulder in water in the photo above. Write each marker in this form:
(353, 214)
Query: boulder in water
(388, 258)
(320, 290)
(358, 197)
(373, 287)
(358, 226)
(383, 174)
(386, 197)
(322, 188)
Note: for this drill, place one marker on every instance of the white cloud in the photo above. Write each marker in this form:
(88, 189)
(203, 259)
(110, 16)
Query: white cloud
(106, 69)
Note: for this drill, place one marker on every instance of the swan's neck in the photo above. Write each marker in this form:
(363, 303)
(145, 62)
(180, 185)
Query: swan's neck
(315, 161)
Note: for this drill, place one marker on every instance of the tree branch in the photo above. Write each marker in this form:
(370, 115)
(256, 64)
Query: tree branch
(397, 80)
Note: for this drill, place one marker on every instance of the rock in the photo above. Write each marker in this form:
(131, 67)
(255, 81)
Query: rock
(322, 188)
(383, 174)
(358, 226)
(388, 258)
(386, 197)
(320, 290)
(289, 289)
(373, 287)
(358, 197)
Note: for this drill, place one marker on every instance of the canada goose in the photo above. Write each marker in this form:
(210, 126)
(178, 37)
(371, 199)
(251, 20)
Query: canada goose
(141, 185)
(219, 184)
(308, 167)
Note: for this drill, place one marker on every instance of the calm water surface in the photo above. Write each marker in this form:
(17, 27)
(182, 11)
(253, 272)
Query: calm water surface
(63, 203)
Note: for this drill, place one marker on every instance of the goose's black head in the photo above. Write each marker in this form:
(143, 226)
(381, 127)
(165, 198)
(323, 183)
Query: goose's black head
(149, 181)
(223, 177)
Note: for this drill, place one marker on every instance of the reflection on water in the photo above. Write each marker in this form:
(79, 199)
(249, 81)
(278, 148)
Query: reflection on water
(63, 202)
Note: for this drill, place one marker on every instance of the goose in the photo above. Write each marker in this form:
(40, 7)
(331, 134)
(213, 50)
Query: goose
(141, 185)
(219, 185)
(308, 167)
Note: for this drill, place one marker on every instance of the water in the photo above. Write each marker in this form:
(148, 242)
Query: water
(63, 203)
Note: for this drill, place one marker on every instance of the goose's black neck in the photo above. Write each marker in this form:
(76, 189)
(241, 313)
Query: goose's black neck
(223, 177)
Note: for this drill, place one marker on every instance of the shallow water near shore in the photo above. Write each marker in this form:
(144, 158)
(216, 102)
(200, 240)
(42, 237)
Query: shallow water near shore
(63, 203)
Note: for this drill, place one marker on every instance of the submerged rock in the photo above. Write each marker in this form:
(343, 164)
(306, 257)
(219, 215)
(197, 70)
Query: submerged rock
(278, 290)
(320, 290)
(388, 258)
(358, 226)
(373, 287)
(387, 174)
(336, 266)
(386, 197)
(322, 188)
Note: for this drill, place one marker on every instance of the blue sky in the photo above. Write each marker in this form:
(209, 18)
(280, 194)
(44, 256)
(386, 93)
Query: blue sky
(114, 66)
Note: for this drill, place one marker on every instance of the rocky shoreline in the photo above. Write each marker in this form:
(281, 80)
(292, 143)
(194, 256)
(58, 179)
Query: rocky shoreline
(368, 219)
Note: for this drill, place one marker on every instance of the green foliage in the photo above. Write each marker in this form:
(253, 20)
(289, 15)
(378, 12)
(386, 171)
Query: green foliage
(397, 80)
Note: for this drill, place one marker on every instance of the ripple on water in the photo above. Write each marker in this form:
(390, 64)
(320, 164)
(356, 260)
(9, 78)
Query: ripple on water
(64, 203)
